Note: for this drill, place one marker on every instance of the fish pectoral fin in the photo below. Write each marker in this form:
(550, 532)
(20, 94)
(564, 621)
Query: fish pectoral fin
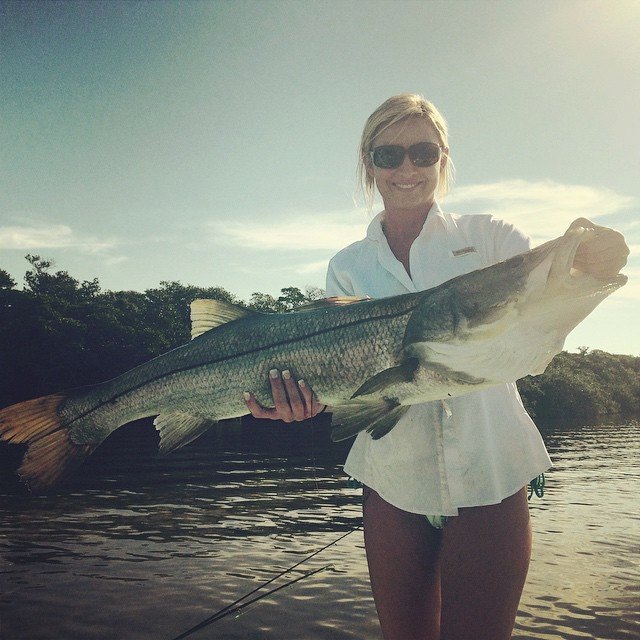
(404, 372)
(177, 429)
(451, 361)
(209, 314)
(377, 418)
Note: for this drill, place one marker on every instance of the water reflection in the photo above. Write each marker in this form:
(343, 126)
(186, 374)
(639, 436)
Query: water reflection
(142, 547)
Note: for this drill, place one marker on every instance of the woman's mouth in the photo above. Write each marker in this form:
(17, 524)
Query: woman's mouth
(406, 186)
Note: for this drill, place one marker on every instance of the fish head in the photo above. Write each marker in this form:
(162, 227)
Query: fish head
(510, 319)
(577, 271)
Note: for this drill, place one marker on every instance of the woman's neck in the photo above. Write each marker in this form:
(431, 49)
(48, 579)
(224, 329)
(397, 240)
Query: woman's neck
(401, 228)
(404, 225)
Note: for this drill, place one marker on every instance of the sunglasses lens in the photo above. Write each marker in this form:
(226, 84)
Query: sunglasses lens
(424, 154)
(388, 156)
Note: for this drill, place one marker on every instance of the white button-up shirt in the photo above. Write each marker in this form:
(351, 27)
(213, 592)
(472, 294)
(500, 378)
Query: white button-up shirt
(471, 450)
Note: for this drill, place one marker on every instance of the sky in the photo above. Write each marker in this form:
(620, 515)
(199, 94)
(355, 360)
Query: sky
(215, 143)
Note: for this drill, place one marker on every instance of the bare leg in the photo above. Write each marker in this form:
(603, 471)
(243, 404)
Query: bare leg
(402, 552)
(484, 563)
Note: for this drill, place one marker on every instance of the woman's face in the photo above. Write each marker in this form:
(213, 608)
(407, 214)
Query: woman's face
(408, 186)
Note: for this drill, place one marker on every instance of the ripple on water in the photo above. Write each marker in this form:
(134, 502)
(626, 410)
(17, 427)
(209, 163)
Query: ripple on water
(148, 549)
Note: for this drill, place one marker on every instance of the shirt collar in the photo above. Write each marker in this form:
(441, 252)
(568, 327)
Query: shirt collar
(386, 257)
(375, 232)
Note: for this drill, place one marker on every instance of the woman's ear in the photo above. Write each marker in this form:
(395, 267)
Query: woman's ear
(445, 158)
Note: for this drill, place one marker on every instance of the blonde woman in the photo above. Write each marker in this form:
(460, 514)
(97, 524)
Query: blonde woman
(446, 520)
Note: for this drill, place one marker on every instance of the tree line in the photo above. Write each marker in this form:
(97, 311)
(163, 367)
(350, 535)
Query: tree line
(57, 332)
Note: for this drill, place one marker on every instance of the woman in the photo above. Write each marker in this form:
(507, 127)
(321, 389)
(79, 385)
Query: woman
(457, 573)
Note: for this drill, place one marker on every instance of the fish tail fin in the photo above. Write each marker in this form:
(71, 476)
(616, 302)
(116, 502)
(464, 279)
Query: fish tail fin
(51, 453)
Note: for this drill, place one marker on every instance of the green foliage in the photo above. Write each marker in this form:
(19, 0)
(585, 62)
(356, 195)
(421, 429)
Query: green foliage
(291, 298)
(266, 303)
(168, 308)
(59, 332)
(587, 387)
(6, 281)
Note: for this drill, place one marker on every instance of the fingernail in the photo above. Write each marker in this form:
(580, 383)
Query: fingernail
(301, 383)
(247, 395)
(273, 373)
(286, 374)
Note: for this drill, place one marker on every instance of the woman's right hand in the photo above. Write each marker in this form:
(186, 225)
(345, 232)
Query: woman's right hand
(294, 401)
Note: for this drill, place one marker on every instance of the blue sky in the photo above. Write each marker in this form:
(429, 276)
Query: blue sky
(215, 143)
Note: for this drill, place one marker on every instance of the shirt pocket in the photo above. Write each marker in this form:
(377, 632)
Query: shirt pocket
(465, 259)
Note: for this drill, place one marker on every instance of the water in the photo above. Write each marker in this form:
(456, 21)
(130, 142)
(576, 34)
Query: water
(147, 547)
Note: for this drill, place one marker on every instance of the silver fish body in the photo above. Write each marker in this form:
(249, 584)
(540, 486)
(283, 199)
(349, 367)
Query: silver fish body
(370, 360)
(334, 348)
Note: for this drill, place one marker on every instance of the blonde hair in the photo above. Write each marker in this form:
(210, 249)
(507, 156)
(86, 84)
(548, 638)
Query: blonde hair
(389, 112)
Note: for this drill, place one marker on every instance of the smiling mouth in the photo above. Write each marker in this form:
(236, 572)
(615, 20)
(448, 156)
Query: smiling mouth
(406, 186)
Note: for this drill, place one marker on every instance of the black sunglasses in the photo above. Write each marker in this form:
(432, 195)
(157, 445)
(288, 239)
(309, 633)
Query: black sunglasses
(391, 156)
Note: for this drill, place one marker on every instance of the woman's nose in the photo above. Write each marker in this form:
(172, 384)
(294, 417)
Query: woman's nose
(406, 163)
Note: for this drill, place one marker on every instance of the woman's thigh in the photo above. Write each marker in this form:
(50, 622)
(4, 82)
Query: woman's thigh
(402, 552)
(484, 563)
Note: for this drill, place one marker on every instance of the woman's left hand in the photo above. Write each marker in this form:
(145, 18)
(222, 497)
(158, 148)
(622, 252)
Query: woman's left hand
(294, 401)
(602, 255)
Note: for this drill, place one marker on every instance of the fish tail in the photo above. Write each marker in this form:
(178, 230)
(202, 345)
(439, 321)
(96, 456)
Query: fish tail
(51, 453)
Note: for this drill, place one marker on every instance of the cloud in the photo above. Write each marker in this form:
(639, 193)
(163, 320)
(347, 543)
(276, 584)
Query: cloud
(542, 209)
(314, 268)
(303, 232)
(545, 209)
(21, 237)
(49, 236)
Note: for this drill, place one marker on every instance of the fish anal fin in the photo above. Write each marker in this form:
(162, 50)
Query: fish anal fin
(377, 418)
(51, 453)
(403, 373)
(383, 425)
(209, 314)
(177, 429)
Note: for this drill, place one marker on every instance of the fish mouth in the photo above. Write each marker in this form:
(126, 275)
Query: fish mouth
(604, 284)
(544, 284)
(576, 282)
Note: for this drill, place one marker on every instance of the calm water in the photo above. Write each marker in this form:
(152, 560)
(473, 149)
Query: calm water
(147, 548)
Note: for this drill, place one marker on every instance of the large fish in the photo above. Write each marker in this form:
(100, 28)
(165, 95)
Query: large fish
(370, 360)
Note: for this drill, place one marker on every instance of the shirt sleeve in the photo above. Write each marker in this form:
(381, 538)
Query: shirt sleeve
(509, 241)
(336, 285)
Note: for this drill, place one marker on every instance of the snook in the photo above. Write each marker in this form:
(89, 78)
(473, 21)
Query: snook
(368, 359)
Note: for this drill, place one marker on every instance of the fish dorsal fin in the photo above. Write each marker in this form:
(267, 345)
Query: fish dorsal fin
(335, 301)
(209, 314)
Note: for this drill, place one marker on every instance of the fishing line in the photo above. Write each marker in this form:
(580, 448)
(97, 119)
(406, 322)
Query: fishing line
(235, 609)
(271, 591)
(232, 608)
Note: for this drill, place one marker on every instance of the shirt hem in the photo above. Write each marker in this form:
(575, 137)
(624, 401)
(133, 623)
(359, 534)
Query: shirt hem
(453, 510)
